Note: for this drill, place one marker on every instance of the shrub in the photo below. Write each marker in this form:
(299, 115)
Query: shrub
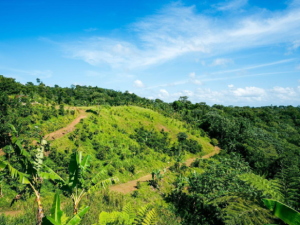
(83, 136)
(183, 167)
(101, 155)
(214, 142)
(122, 170)
(135, 193)
(111, 171)
(132, 169)
(138, 185)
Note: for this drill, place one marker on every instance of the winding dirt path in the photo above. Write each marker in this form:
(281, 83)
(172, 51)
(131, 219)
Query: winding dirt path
(131, 185)
(65, 130)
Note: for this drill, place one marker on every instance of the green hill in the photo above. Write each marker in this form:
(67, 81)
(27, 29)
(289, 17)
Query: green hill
(111, 138)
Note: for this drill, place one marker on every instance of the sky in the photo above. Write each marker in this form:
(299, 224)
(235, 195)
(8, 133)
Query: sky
(232, 52)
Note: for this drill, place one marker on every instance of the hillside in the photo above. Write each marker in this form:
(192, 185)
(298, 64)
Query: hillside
(99, 138)
(113, 134)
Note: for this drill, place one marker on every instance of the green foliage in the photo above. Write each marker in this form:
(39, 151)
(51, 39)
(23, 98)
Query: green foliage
(285, 213)
(214, 142)
(58, 217)
(270, 188)
(145, 216)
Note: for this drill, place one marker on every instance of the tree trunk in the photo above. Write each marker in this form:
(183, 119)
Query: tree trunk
(1, 195)
(75, 209)
(40, 212)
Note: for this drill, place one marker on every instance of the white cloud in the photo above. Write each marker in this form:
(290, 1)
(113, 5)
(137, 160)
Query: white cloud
(90, 29)
(230, 85)
(192, 75)
(249, 92)
(193, 79)
(163, 94)
(298, 67)
(253, 96)
(296, 44)
(284, 93)
(198, 82)
(221, 62)
(138, 84)
(230, 5)
(171, 33)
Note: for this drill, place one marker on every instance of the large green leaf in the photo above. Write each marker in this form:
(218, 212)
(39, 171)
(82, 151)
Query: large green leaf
(77, 218)
(56, 213)
(77, 167)
(284, 212)
(3, 165)
(49, 174)
(23, 178)
(74, 169)
(85, 163)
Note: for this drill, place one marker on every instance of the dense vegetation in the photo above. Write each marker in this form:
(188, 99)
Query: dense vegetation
(125, 137)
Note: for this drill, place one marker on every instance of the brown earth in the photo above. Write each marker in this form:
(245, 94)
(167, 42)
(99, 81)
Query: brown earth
(12, 213)
(63, 131)
(131, 185)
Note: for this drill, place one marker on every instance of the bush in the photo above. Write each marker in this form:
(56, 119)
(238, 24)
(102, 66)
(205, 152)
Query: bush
(138, 185)
(101, 155)
(214, 142)
(132, 169)
(111, 171)
(183, 167)
(135, 193)
(122, 170)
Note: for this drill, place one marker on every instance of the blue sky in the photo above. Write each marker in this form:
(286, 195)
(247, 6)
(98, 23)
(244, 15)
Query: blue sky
(233, 52)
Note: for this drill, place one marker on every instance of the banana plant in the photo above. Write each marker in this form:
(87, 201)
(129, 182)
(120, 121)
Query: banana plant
(34, 171)
(58, 217)
(156, 176)
(77, 187)
(283, 212)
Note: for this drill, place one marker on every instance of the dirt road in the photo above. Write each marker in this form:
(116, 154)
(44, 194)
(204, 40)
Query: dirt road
(131, 185)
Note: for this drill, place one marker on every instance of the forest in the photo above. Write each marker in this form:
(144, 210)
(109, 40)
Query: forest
(89, 155)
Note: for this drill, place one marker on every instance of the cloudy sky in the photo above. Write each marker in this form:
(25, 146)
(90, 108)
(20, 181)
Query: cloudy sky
(233, 52)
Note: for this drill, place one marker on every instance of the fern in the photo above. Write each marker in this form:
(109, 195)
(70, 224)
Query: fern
(269, 188)
(289, 179)
(151, 218)
(238, 211)
(146, 217)
(128, 217)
